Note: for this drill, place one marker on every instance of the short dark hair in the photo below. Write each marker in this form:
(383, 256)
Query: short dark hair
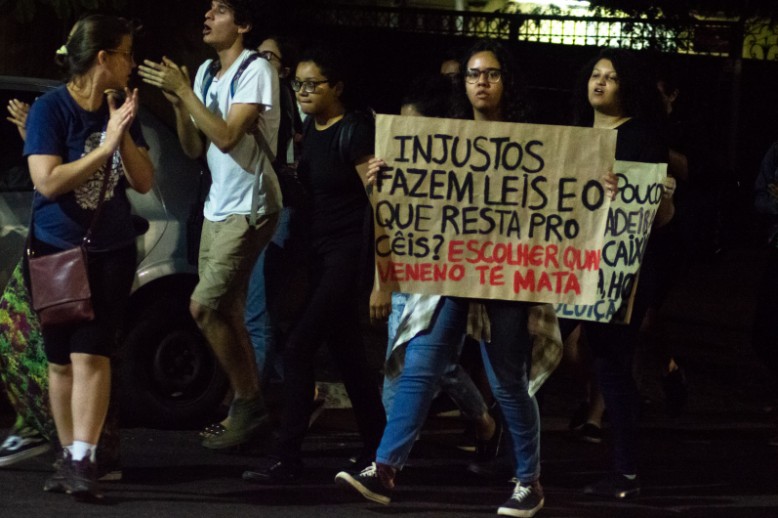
(242, 10)
(89, 36)
(247, 12)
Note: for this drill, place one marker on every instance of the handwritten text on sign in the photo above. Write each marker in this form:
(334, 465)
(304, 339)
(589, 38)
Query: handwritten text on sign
(490, 210)
(626, 236)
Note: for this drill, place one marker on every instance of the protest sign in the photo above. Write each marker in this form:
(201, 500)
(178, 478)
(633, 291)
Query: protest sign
(630, 218)
(489, 209)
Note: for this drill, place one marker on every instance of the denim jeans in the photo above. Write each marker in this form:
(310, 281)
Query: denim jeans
(455, 381)
(269, 278)
(507, 362)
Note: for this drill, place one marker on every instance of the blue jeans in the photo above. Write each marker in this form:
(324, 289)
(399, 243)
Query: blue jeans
(507, 363)
(270, 277)
(455, 381)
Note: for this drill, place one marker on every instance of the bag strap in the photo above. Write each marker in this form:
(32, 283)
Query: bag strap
(88, 236)
(265, 147)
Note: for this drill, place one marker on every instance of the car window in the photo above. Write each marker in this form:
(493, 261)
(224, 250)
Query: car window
(14, 174)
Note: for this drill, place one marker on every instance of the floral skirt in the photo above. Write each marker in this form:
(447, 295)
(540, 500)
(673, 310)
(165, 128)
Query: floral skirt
(24, 370)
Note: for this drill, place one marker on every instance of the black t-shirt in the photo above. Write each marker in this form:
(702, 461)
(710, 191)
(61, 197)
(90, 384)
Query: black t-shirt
(338, 199)
(637, 141)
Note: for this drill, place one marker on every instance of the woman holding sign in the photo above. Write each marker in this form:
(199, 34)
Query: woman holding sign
(492, 92)
(613, 93)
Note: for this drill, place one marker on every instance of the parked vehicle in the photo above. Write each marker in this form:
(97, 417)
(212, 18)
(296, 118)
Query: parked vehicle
(168, 375)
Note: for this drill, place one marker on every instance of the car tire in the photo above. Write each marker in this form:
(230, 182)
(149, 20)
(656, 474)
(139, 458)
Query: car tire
(169, 378)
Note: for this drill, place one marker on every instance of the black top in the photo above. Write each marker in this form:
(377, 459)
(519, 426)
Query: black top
(338, 199)
(637, 141)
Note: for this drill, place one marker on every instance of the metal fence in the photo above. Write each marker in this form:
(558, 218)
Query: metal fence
(757, 40)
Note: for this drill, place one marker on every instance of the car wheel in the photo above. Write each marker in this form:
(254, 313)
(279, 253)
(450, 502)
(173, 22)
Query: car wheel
(169, 378)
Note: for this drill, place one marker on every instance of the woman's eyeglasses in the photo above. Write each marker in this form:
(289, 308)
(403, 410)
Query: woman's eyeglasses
(473, 75)
(270, 55)
(307, 86)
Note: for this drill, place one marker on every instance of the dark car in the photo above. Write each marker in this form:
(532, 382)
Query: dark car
(168, 375)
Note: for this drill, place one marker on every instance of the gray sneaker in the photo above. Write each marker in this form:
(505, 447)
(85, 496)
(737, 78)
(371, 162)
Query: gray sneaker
(525, 501)
(248, 420)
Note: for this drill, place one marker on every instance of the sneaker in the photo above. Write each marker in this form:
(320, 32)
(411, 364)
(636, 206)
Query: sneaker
(83, 480)
(589, 432)
(248, 420)
(616, 486)
(21, 445)
(277, 471)
(773, 441)
(676, 390)
(357, 463)
(525, 501)
(212, 429)
(59, 482)
(375, 482)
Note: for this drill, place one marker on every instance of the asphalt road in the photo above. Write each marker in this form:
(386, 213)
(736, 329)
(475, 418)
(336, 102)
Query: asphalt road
(711, 462)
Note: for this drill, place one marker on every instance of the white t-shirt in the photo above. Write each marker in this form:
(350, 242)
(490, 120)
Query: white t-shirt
(233, 173)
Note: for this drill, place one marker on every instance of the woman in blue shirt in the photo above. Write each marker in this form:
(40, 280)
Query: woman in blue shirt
(78, 138)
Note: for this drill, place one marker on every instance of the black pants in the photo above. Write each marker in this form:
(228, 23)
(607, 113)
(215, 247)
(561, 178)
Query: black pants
(331, 315)
(613, 351)
(110, 279)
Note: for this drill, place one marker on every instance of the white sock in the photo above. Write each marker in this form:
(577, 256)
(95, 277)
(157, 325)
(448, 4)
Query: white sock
(81, 449)
(69, 449)
(630, 477)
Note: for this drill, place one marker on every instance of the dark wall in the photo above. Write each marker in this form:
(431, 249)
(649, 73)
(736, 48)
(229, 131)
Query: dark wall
(385, 61)
(712, 101)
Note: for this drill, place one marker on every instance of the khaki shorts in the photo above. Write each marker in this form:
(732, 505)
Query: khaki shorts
(228, 251)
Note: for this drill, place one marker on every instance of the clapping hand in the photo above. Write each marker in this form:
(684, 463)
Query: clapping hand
(172, 79)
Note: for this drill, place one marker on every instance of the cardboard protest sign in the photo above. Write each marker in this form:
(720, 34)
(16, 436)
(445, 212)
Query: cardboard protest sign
(490, 210)
(626, 236)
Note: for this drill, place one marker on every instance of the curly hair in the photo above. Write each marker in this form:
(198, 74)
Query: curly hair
(515, 107)
(333, 63)
(637, 96)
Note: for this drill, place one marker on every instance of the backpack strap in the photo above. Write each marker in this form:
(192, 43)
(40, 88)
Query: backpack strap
(346, 131)
(210, 73)
(214, 67)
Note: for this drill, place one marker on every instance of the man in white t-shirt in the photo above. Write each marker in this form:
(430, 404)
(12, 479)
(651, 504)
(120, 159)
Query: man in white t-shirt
(232, 116)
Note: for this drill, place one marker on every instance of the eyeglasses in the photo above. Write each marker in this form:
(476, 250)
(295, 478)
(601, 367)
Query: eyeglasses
(473, 75)
(307, 86)
(269, 55)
